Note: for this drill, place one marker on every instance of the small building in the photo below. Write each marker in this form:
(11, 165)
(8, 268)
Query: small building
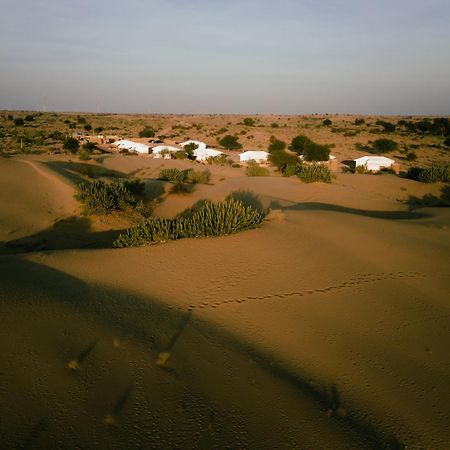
(374, 163)
(202, 154)
(201, 145)
(254, 155)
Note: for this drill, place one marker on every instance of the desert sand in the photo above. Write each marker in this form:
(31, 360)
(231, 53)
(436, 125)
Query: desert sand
(327, 328)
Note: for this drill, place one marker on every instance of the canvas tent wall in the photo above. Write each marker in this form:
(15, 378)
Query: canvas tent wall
(253, 155)
(203, 154)
(132, 146)
(374, 163)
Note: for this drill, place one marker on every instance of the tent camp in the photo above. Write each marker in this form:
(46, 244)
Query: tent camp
(374, 163)
(132, 146)
(201, 145)
(253, 155)
(202, 154)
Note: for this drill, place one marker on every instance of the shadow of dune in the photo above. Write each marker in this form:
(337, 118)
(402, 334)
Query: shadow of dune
(69, 233)
(77, 172)
(208, 358)
(430, 200)
(317, 206)
(248, 198)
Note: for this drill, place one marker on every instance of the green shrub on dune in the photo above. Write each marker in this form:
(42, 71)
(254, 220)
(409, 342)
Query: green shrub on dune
(211, 219)
(99, 197)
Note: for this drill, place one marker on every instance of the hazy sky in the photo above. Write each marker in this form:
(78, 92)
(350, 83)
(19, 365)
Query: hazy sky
(247, 56)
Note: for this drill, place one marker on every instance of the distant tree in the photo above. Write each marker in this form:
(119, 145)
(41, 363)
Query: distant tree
(29, 118)
(81, 119)
(87, 127)
(383, 146)
(274, 125)
(89, 146)
(249, 122)
(388, 127)
(189, 149)
(327, 122)
(71, 144)
(10, 117)
(98, 130)
(359, 121)
(72, 126)
(147, 133)
(230, 142)
(447, 142)
(276, 145)
(19, 122)
(298, 144)
(316, 152)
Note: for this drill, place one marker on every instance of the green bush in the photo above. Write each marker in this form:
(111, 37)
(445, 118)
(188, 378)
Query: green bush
(447, 142)
(220, 160)
(437, 172)
(84, 155)
(19, 122)
(383, 146)
(281, 159)
(89, 146)
(185, 176)
(276, 145)
(327, 122)
(179, 155)
(316, 152)
(173, 175)
(230, 142)
(198, 177)
(71, 144)
(147, 133)
(275, 125)
(359, 121)
(255, 170)
(249, 122)
(291, 169)
(298, 144)
(411, 156)
(99, 197)
(212, 219)
(387, 126)
(310, 173)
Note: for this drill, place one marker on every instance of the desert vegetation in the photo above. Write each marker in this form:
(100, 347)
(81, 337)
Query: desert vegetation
(437, 172)
(101, 198)
(210, 219)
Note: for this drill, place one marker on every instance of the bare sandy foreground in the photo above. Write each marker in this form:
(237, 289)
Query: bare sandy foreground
(327, 328)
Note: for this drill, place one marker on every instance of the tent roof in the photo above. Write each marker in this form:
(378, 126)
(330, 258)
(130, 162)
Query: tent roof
(374, 160)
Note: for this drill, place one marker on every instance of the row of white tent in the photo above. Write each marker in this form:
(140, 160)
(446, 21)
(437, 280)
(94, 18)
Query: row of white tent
(202, 153)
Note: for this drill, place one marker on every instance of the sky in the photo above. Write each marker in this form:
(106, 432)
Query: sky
(244, 57)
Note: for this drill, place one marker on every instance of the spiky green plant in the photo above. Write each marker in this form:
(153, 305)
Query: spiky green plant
(310, 173)
(212, 219)
(99, 197)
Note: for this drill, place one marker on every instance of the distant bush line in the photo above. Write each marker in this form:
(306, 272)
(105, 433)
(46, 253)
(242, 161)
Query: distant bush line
(211, 219)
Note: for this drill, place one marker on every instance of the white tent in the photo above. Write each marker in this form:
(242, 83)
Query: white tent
(132, 146)
(202, 154)
(374, 163)
(258, 156)
(201, 145)
(330, 158)
(160, 148)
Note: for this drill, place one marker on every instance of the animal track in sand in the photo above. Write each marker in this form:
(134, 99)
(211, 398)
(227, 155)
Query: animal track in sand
(356, 281)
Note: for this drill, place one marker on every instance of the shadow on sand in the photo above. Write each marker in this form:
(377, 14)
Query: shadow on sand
(70, 233)
(197, 346)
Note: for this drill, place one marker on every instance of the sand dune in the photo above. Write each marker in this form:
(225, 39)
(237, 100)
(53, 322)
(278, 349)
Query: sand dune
(327, 328)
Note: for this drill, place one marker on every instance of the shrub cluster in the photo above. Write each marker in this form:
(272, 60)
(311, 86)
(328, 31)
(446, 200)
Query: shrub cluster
(99, 197)
(439, 126)
(230, 142)
(185, 176)
(310, 173)
(437, 172)
(388, 127)
(310, 150)
(255, 170)
(212, 219)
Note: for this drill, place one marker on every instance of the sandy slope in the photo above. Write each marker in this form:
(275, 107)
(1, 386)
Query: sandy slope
(327, 328)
